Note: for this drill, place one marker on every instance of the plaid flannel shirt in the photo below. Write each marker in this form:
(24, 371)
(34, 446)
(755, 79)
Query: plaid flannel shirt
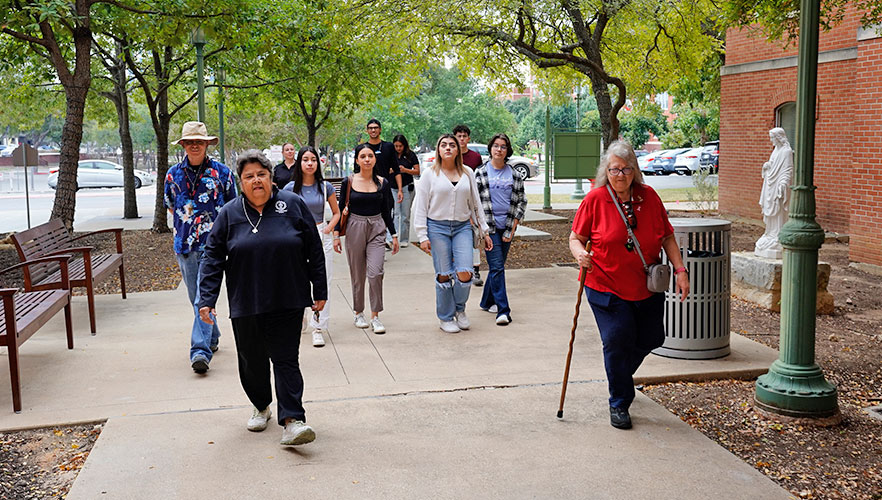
(518, 200)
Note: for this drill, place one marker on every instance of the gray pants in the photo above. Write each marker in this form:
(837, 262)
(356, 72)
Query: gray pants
(365, 249)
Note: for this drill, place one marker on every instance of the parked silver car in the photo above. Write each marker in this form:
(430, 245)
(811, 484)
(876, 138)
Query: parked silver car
(102, 173)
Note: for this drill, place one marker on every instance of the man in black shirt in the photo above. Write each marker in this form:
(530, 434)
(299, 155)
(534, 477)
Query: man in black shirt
(387, 162)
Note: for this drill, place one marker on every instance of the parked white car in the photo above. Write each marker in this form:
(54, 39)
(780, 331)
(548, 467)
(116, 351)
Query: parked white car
(688, 162)
(645, 161)
(102, 173)
(6, 151)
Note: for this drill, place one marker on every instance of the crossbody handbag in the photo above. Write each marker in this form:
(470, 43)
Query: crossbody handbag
(658, 276)
(344, 214)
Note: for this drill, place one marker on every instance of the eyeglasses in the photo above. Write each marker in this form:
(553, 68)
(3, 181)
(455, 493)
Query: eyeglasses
(193, 143)
(620, 171)
(500, 147)
(373, 127)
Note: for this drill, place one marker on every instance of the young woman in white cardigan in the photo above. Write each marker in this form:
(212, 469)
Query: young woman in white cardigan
(446, 201)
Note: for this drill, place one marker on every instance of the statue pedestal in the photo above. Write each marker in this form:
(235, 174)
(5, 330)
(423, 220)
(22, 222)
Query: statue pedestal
(758, 280)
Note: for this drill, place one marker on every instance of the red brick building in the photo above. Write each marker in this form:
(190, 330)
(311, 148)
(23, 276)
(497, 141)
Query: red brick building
(758, 92)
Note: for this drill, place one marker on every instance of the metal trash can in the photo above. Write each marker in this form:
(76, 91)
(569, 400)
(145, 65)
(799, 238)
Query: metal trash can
(698, 328)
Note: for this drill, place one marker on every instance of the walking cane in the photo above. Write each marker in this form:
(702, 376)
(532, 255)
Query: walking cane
(563, 390)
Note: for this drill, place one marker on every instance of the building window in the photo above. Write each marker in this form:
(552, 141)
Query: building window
(662, 100)
(785, 117)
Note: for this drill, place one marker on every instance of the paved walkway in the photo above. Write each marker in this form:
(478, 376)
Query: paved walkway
(414, 413)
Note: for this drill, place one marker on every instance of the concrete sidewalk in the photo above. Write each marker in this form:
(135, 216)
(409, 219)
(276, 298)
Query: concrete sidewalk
(413, 413)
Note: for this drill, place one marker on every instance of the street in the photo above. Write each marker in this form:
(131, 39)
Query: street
(91, 203)
(105, 202)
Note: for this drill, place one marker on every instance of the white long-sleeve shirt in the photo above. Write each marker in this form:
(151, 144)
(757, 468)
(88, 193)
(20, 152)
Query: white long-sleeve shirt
(438, 199)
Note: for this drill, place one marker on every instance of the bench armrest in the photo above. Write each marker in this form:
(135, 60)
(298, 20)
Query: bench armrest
(61, 259)
(116, 230)
(7, 292)
(65, 251)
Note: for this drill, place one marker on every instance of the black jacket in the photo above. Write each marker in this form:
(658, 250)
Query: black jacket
(267, 271)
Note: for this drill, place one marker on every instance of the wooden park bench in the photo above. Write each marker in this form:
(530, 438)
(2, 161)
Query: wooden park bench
(52, 238)
(23, 313)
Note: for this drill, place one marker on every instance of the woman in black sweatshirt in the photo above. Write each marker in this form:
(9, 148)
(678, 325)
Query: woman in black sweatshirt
(267, 243)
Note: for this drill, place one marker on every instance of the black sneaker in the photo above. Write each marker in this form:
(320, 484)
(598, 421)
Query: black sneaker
(200, 365)
(478, 281)
(213, 347)
(618, 418)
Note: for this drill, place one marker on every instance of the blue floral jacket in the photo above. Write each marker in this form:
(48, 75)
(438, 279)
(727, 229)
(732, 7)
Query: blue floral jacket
(196, 198)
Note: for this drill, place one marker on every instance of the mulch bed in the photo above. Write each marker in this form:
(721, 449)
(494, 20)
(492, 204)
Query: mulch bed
(43, 463)
(839, 462)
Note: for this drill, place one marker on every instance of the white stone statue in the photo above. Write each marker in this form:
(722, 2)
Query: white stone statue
(775, 196)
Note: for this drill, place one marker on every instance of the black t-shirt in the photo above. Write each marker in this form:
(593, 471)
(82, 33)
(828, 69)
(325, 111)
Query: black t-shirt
(368, 204)
(406, 161)
(387, 164)
(282, 175)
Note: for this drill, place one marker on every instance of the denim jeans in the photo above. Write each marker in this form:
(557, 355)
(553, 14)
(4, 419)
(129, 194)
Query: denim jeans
(203, 335)
(629, 331)
(451, 253)
(328, 247)
(494, 286)
(401, 215)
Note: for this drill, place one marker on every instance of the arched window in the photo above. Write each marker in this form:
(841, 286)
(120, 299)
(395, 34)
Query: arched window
(785, 117)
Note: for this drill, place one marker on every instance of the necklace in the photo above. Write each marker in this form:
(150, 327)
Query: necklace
(253, 226)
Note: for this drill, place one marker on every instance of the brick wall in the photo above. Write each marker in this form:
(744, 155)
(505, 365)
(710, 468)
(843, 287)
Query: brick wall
(747, 112)
(866, 212)
(847, 147)
(749, 44)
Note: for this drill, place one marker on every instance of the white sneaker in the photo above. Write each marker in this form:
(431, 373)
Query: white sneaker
(297, 432)
(377, 326)
(317, 339)
(360, 322)
(492, 309)
(462, 321)
(503, 319)
(258, 419)
(449, 326)
(403, 244)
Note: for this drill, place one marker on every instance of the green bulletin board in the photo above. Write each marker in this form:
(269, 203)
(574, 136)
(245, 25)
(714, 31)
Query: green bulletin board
(576, 155)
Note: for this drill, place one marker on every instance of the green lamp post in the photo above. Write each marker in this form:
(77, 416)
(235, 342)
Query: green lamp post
(578, 193)
(795, 385)
(199, 42)
(221, 75)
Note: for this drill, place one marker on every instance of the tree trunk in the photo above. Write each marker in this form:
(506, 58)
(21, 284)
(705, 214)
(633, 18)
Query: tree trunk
(130, 200)
(71, 135)
(160, 211)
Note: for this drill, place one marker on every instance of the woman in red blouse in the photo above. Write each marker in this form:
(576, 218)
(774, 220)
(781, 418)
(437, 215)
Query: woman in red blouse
(628, 315)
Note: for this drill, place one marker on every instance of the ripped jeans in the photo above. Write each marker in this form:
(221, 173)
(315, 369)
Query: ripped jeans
(451, 253)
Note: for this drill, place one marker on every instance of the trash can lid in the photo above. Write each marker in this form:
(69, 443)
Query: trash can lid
(699, 224)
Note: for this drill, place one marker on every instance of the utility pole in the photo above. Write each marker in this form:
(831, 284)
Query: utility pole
(795, 385)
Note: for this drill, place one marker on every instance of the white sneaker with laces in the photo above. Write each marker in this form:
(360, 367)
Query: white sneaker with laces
(317, 339)
(503, 319)
(297, 432)
(462, 321)
(449, 327)
(377, 326)
(258, 419)
(360, 322)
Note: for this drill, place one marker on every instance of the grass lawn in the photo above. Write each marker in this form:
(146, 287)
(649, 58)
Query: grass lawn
(673, 194)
